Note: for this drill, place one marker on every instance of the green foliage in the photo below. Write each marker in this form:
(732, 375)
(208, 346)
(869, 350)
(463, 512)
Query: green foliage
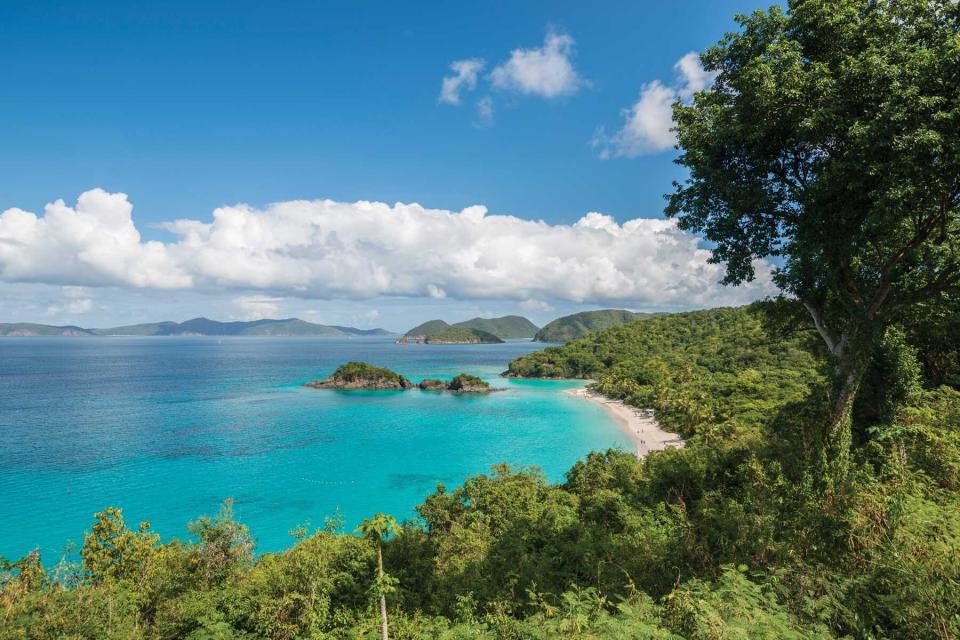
(224, 544)
(457, 334)
(428, 328)
(831, 139)
(505, 328)
(466, 382)
(111, 551)
(580, 324)
(705, 372)
(357, 371)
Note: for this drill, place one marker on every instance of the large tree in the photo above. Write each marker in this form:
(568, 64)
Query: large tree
(830, 143)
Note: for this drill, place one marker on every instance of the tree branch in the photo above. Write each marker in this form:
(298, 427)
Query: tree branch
(833, 344)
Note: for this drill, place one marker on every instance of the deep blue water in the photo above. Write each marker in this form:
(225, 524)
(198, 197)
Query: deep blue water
(167, 428)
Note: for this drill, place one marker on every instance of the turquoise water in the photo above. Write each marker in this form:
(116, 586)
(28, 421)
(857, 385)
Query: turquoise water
(167, 428)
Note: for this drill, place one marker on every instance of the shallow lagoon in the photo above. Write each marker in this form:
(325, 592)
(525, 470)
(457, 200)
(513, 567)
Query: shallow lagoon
(167, 428)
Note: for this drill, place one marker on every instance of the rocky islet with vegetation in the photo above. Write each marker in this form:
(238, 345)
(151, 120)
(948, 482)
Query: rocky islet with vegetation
(361, 376)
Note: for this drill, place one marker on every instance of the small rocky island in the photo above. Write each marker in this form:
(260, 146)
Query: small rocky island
(360, 375)
(356, 376)
(462, 383)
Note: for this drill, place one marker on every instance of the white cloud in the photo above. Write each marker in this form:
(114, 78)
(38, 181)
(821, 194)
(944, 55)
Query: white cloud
(464, 79)
(693, 76)
(94, 243)
(546, 72)
(257, 307)
(324, 249)
(76, 301)
(647, 123)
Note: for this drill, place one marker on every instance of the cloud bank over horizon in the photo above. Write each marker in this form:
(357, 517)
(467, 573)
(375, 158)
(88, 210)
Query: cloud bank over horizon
(323, 249)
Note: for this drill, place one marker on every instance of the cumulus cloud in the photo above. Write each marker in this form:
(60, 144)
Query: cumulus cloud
(93, 243)
(257, 307)
(546, 72)
(325, 249)
(464, 79)
(648, 122)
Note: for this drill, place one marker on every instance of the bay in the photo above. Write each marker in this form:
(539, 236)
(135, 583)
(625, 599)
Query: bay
(167, 428)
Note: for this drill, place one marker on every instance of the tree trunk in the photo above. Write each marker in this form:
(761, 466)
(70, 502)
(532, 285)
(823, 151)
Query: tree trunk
(847, 347)
(383, 597)
(850, 375)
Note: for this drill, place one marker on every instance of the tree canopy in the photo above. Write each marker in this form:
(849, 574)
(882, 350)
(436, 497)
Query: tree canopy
(830, 142)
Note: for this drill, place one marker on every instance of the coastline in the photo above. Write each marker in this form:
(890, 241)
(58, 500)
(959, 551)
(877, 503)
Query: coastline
(643, 431)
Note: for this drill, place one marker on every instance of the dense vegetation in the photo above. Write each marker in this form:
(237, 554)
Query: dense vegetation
(830, 138)
(462, 335)
(362, 375)
(580, 324)
(696, 368)
(505, 328)
(427, 328)
(466, 383)
(461, 383)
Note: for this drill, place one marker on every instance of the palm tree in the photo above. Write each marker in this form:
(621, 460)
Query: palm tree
(377, 529)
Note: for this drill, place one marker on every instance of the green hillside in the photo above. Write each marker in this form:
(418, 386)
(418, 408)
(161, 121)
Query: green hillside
(29, 329)
(505, 327)
(428, 328)
(722, 359)
(462, 335)
(580, 324)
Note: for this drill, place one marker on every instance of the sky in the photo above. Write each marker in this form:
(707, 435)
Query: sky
(348, 163)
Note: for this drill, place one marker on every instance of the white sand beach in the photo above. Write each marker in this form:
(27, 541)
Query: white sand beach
(643, 430)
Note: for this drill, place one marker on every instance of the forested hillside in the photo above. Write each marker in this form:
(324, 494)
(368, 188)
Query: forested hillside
(505, 328)
(580, 324)
(700, 367)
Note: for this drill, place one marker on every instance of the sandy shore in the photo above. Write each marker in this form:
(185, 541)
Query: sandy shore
(644, 431)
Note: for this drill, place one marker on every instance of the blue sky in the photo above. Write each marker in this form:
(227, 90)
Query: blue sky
(186, 107)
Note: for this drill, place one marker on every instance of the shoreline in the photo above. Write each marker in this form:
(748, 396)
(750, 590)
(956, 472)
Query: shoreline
(643, 431)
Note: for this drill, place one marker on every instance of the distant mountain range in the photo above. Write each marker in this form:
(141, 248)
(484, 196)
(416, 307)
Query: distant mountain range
(472, 331)
(476, 330)
(195, 327)
(580, 324)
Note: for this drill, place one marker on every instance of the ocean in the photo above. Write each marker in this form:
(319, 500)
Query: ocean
(167, 428)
